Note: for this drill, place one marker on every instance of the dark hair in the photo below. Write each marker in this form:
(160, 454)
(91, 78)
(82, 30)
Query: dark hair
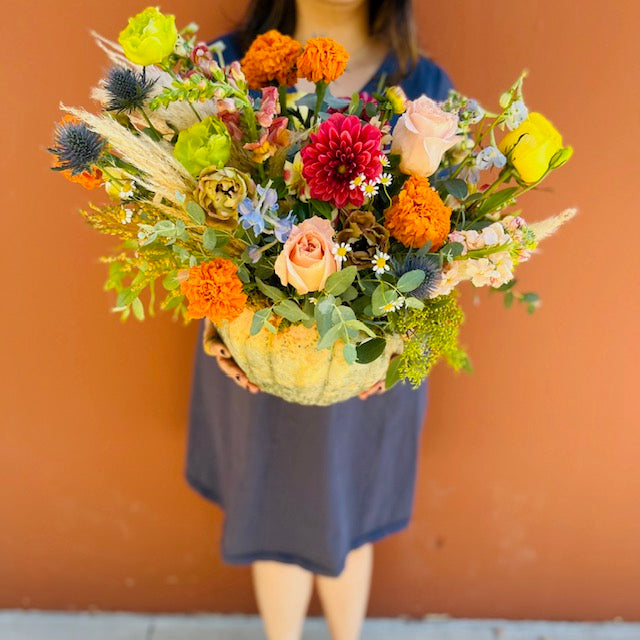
(389, 20)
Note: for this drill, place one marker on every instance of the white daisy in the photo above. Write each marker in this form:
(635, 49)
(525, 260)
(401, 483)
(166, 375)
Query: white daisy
(384, 160)
(380, 262)
(386, 179)
(340, 252)
(370, 189)
(357, 182)
(394, 305)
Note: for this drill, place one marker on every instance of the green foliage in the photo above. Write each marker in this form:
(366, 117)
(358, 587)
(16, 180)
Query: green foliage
(431, 334)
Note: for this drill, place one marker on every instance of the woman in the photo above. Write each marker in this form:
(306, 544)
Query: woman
(306, 490)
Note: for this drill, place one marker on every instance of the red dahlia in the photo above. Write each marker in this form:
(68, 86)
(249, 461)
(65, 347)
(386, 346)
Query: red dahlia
(342, 149)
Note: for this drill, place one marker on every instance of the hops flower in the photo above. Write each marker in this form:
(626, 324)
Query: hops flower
(271, 56)
(341, 150)
(323, 59)
(149, 37)
(418, 215)
(214, 291)
(203, 144)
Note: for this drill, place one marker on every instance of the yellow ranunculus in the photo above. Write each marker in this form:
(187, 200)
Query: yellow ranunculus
(149, 37)
(531, 146)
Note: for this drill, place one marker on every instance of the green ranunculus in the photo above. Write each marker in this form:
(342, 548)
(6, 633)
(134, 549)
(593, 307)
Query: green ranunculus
(149, 37)
(203, 144)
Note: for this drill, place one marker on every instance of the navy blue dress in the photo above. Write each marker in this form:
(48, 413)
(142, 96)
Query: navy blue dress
(302, 484)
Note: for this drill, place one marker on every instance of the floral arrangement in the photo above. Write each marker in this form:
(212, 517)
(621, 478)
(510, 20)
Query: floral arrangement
(353, 218)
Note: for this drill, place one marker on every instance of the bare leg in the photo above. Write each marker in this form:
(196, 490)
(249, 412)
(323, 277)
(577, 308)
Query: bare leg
(344, 599)
(283, 592)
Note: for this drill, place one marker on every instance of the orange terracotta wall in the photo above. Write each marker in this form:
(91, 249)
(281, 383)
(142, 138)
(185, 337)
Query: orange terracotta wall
(529, 482)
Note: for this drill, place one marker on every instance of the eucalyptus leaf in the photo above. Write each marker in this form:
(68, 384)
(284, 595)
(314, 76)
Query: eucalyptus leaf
(196, 212)
(209, 239)
(360, 326)
(330, 337)
(338, 282)
(290, 310)
(382, 296)
(271, 292)
(413, 303)
(260, 318)
(349, 352)
(457, 188)
(411, 280)
(350, 294)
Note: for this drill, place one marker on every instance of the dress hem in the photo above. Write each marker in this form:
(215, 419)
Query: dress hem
(290, 558)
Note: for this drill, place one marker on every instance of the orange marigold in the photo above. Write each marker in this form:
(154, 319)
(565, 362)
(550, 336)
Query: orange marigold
(322, 59)
(417, 215)
(214, 291)
(271, 56)
(88, 179)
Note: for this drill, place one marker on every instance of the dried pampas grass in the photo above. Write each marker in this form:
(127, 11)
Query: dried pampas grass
(161, 172)
(549, 226)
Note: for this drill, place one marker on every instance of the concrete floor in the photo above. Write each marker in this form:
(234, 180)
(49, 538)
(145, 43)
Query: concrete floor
(21, 625)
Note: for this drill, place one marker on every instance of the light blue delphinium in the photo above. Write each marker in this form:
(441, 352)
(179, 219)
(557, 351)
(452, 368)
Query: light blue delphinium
(490, 157)
(516, 114)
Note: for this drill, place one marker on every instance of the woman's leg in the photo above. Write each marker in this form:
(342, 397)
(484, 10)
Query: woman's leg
(344, 599)
(283, 592)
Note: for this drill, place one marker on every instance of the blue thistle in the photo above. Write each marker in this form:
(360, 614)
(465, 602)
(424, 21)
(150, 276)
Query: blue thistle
(127, 90)
(76, 146)
(431, 270)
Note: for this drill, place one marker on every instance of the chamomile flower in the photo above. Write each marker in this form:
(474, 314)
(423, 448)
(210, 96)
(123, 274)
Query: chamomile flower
(340, 252)
(370, 189)
(386, 179)
(394, 305)
(384, 160)
(380, 262)
(357, 182)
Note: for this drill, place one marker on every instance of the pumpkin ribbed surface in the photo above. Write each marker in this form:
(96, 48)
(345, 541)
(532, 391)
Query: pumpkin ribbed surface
(288, 365)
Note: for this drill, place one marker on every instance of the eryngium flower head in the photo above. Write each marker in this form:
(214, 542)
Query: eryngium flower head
(431, 270)
(77, 147)
(127, 90)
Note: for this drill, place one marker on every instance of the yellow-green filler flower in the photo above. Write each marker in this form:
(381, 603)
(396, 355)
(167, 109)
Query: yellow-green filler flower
(149, 37)
(203, 144)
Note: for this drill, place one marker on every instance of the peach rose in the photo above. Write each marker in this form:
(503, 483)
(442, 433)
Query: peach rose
(306, 260)
(422, 135)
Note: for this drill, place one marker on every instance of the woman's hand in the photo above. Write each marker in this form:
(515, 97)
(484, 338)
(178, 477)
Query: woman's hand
(216, 348)
(378, 388)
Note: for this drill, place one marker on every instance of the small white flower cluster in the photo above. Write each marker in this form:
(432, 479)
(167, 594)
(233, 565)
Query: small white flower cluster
(494, 269)
(371, 188)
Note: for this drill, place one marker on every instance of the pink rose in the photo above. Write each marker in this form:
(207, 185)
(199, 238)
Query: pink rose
(422, 135)
(306, 260)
